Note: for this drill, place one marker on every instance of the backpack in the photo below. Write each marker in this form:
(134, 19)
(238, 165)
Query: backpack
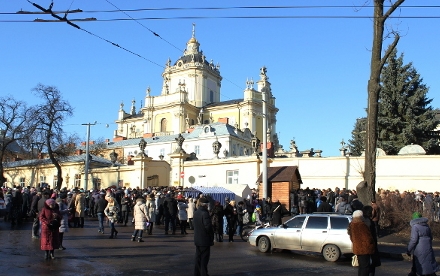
(254, 218)
(246, 218)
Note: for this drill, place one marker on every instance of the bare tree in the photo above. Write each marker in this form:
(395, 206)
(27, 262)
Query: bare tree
(51, 115)
(16, 124)
(367, 189)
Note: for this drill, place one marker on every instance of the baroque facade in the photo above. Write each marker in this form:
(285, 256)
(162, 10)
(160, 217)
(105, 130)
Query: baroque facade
(190, 97)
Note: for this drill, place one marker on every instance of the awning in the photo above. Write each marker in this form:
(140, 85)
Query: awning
(217, 193)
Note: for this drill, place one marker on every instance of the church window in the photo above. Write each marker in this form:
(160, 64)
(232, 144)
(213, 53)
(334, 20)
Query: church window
(77, 180)
(163, 125)
(54, 182)
(197, 150)
(211, 96)
(22, 181)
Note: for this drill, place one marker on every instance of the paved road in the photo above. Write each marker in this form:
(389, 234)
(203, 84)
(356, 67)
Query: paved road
(90, 253)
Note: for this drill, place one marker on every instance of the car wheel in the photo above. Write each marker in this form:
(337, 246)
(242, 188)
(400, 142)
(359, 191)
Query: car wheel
(264, 244)
(331, 252)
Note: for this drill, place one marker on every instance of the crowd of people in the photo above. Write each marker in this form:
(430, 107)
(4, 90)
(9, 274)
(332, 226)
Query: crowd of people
(54, 212)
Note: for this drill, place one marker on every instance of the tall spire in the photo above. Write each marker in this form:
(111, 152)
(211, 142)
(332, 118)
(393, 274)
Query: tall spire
(192, 46)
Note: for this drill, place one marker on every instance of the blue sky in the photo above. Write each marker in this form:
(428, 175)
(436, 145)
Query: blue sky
(318, 67)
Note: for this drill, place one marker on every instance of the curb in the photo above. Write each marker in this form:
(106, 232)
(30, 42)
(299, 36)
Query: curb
(400, 256)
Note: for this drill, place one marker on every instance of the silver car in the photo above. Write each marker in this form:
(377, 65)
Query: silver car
(324, 233)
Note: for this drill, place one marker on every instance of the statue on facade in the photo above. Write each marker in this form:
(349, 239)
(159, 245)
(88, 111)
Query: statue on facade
(168, 62)
(187, 121)
(216, 146)
(263, 71)
(179, 141)
(113, 157)
(199, 117)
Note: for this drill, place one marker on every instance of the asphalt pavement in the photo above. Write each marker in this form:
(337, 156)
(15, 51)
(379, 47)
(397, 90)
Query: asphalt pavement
(394, 246)
(91, 253)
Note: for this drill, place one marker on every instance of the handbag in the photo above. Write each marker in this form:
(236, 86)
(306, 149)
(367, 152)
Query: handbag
(354, 260)
(147, 223)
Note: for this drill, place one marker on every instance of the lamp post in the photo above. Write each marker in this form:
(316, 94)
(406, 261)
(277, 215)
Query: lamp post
(142, 146)
(86, 173)
(200, 117)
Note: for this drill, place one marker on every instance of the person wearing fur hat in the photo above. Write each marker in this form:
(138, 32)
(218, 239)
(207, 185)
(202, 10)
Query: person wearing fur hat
(420, 246)
(50, 222)
(140, 216)
(363, 242)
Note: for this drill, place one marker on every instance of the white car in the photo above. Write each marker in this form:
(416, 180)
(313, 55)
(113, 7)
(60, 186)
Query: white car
(324, 233)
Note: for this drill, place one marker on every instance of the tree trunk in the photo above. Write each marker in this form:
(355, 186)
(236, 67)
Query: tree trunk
(367, 189)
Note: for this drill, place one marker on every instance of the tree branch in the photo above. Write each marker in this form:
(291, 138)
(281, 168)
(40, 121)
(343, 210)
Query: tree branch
(392, 9)
(389, 51)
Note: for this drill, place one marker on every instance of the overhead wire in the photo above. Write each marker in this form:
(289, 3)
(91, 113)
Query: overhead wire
(153, 32)
(214, 17)
(157, 35)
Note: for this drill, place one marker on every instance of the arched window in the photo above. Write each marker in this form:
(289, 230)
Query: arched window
(163, 125)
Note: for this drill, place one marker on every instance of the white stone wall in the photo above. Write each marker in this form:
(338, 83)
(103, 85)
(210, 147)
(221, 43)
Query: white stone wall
(393, 172)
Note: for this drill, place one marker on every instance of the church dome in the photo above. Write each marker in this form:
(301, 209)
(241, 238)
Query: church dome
(192, 40)
(412, 150)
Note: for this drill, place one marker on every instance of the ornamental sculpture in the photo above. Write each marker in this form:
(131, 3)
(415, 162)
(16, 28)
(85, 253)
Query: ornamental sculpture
(179, 139)
(216, 146)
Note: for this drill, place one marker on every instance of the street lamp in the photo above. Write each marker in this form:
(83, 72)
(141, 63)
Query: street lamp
(86, 173)
(200, 117)
(142, 146)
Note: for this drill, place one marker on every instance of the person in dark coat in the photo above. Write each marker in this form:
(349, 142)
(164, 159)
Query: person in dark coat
(203, 238)
(100, 206)
(324, 206)
(356, 204)
(232, 218)
(50, 222)
(170, 212)
(277, 213)
(420, 246)
(34, 214)
(64, 223)
(217, 221)
(126, 208)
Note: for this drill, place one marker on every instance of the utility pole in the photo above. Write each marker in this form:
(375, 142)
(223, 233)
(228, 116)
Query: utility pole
(86, 172)
(264, 172)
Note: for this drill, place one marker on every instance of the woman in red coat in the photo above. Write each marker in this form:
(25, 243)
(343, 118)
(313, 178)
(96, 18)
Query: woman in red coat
(50, 222)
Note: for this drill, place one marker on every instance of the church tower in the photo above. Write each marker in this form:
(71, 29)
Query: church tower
(201, 78)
